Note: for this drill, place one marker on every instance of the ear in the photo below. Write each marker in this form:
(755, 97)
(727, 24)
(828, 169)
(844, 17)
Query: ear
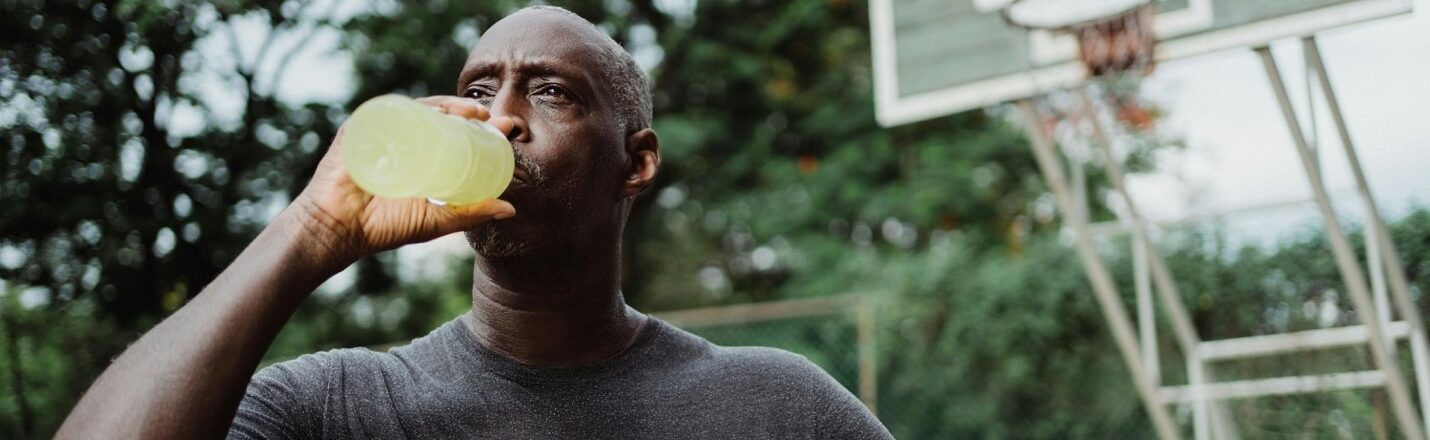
(643, 162)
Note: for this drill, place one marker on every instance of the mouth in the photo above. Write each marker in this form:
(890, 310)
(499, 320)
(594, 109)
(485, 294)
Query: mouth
(519, 179)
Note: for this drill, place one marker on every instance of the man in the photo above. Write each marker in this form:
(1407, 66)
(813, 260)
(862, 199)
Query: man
(549, 349)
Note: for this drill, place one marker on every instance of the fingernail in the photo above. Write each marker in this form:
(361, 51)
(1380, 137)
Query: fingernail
(504, 215)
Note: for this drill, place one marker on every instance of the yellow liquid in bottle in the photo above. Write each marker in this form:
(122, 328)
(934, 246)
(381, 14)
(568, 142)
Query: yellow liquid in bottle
(396, 147)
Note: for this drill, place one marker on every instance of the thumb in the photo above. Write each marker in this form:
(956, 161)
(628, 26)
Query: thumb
(453, 218)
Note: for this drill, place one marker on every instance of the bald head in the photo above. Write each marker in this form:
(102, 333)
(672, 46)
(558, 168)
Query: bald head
(628, 85)
(577, 111)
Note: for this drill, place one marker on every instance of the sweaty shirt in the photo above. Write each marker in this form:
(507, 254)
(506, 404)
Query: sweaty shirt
(669, 384)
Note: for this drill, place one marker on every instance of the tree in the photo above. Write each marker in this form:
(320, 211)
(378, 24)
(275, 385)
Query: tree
(126, 189)
(777, 183)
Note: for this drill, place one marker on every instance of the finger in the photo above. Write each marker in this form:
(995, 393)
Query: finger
(467, 109)
(435, 101)
(333, 157)
(336, 147)
(495, 208)
(503, 123)
(453, 218)
(454, 105)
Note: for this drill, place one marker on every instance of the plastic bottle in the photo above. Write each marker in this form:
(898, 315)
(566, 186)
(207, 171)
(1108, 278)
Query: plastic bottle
(394, 146)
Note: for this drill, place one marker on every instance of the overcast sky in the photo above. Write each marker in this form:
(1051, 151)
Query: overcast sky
(1240, 152)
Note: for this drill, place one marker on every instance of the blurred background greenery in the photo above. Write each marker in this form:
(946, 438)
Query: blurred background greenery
(143, 150)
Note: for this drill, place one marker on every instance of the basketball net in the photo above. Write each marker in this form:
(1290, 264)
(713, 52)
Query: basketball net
(1116, 44)
(1123, 43)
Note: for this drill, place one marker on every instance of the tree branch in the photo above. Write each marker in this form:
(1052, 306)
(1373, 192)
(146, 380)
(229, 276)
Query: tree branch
(273, 36)
(288, 57)
(243, 71)
(26, 428)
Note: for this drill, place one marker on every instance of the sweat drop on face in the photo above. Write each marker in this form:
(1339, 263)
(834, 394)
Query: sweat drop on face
(396, 147)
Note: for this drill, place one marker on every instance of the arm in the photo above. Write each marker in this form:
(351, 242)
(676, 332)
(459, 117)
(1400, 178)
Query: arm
(186, 376)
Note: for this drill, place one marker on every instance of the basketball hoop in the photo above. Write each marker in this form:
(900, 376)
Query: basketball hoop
(1116, 45)
(1114, 36)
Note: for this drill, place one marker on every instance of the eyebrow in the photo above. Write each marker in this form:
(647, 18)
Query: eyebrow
(538, 68)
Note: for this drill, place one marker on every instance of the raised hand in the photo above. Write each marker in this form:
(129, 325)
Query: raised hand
(352, 223)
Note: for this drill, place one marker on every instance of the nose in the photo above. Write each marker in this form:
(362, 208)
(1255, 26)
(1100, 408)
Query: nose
(513, 126)
(506, 116)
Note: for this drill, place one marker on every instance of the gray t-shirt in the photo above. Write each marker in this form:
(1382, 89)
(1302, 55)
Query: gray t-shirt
(669, 384)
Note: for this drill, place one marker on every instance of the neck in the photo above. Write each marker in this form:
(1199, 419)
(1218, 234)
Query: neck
(549, 312)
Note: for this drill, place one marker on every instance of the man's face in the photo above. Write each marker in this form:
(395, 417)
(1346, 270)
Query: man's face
(539, 68)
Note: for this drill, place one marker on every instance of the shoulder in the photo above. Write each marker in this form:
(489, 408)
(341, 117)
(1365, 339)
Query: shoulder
(772, 366)
(798, 396)
(745, 364)
(811, 400)
(306, 382)
(286, 399)
(306, 396)
(315, 368)
(786, 382)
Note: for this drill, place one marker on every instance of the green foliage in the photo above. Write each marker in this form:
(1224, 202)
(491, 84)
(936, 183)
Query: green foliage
(45, 350)
(116, 206)
(998, 346)
(981, 343)
(776, 183)
(770, 148)
(107, 195)
(336, 319)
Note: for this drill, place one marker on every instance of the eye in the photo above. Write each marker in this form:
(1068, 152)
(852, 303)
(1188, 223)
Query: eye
(553, 92)
(478, 93)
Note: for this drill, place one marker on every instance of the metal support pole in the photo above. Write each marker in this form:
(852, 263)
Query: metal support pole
(1346, 262)
(1223, 427)
(868, 385)
(1146, 317)
(1079, 186)
(1144, 255)
(1167, 292)
(1378, 290)
(1103, 287)
(1399, 286)
(1197, 380)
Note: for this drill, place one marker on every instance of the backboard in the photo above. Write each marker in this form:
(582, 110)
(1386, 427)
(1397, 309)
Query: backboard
(939, 57)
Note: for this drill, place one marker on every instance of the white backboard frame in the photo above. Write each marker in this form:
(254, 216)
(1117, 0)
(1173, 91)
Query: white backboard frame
(1057, 54)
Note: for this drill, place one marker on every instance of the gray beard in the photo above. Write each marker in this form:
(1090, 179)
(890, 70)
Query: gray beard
(488, 242)
(485, 239)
